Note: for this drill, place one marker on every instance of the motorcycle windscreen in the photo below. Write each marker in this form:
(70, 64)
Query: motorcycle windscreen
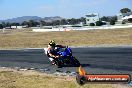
(63, 54)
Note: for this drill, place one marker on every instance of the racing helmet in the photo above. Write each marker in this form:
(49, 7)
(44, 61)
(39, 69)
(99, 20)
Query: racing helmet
(52, 43)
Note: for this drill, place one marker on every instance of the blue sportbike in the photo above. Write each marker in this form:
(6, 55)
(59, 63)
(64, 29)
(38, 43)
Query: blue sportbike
(66, 58)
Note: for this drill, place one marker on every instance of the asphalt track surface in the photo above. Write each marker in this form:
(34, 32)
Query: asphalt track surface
(99, 60)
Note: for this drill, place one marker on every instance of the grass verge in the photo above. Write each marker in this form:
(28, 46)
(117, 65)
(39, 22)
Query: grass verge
(14, 79)
(28, 39)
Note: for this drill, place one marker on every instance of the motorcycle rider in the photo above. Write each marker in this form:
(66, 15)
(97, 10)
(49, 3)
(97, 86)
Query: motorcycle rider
(52, 52)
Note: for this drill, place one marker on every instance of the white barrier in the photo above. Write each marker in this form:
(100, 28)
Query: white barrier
(82, 28)
(103, 27)
(53, 29)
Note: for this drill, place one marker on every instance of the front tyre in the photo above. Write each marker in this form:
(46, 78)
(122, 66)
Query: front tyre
(59, 63)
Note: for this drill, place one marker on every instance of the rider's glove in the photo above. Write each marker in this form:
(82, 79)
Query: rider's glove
(56, 56)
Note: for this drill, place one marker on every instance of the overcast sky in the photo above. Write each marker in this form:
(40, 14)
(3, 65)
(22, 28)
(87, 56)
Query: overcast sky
(63, 8)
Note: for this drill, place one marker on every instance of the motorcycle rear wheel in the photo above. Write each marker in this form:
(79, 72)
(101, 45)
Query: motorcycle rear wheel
(76, 62)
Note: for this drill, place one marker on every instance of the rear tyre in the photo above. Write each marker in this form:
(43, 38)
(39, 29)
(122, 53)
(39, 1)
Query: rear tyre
(76, 62)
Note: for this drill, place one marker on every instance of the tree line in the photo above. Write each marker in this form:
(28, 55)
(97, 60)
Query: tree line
(33, 23)
(72, 21)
